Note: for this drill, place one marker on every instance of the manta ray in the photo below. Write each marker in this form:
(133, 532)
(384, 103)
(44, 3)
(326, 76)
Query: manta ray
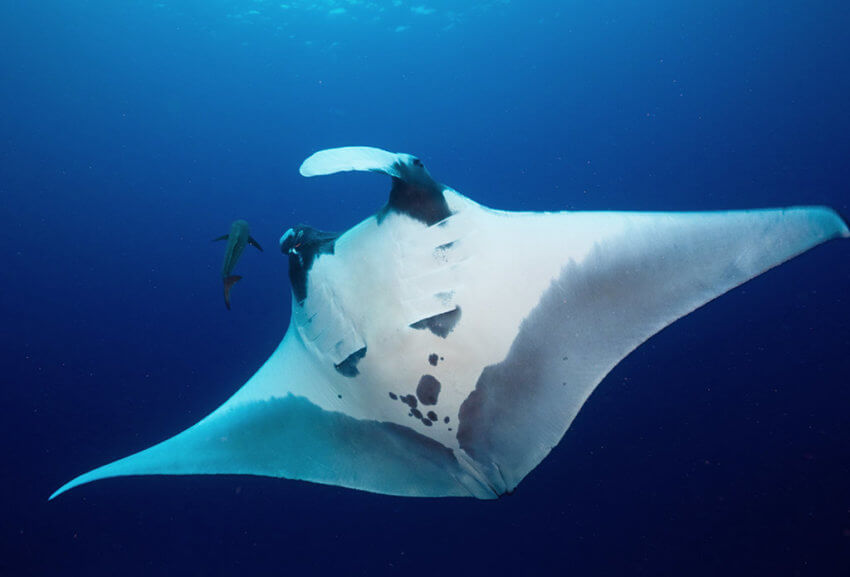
(442, 348)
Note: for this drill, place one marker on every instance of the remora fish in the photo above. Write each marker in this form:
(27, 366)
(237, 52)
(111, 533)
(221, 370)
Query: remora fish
(239, 236)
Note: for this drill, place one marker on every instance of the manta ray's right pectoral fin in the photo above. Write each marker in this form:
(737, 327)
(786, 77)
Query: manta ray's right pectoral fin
(254, 243)
(222, 237)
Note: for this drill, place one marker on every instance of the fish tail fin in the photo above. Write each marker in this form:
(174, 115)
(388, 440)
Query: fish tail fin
(228, 284)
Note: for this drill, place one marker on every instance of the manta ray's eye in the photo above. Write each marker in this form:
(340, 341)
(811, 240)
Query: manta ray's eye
(417, 162)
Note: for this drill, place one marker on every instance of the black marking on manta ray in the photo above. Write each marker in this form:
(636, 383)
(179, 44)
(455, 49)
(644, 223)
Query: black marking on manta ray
(348, 367)
(441, 324)
(428, 390)
(441, 252)
(303, 247)
(433, 359)
(409, 400)
(422, 201)
(445, 297)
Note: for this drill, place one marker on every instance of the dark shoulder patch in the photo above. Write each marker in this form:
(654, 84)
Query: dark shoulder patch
(348, 367)
(422, 201)
(441, 324)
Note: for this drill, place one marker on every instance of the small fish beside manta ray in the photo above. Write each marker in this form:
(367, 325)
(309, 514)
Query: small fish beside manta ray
(237, 239)
(442, 348)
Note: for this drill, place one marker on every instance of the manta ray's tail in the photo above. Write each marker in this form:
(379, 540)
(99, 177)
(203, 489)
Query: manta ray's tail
(228, 284)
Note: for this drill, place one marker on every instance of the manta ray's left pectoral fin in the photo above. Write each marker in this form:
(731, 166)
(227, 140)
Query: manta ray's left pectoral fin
(287, 421)
(254, 243)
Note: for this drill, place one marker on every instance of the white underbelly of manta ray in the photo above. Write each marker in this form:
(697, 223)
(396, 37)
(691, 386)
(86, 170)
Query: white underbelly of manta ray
(441, 348)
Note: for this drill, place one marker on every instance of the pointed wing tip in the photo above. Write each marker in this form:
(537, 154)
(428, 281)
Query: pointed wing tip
(75, 482)
(845, 233)
(835, 221)
(59, 491)
(824, 221)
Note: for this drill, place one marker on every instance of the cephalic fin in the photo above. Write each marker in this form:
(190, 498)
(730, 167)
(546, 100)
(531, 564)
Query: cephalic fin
(414, 193)
(352, 158)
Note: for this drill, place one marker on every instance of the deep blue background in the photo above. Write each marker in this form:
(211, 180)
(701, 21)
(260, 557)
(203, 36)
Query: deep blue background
(131, 133)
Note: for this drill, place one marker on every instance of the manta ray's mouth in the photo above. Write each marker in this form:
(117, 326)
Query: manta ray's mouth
(304, 244)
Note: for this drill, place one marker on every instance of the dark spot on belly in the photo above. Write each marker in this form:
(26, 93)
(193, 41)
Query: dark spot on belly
(348, 367)
(416, 413)
(426, 422)
(409, 400)
(339, 396)
(393, 396)
(432, 415)
(428, 390)
(441, 324)
(433, 359)
(446, 420)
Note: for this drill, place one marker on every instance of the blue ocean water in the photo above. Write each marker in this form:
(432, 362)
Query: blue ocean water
(131, 133)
